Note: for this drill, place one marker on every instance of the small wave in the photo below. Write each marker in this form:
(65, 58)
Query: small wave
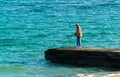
(83, 75)
(26, 62)
(7, 41)
(107, 4)
(39, 35)
(67, 3)
(113, 75)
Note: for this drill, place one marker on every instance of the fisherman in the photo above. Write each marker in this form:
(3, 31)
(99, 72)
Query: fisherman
(78, 34)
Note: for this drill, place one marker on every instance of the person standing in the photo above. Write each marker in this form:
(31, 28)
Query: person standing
(78, 34)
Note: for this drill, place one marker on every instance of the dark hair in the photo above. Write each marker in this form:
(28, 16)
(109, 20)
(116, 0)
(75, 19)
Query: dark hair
(77, 24)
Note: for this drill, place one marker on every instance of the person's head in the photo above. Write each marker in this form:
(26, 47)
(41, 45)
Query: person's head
(77, 25)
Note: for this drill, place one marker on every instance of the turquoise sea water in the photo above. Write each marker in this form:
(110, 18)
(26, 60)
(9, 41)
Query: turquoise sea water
(30, 27)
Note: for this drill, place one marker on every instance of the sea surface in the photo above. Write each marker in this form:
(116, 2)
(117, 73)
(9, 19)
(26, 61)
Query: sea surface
(29, 27)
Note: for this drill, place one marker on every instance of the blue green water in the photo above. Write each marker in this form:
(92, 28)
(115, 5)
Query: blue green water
(30, 27)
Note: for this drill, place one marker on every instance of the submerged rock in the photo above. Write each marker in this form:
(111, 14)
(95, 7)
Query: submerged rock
(85, 56)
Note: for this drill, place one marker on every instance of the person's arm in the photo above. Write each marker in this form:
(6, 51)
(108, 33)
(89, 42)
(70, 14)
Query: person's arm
(75, 33)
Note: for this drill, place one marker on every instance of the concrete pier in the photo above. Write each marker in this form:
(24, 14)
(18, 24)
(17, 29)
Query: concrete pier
(85, 56)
